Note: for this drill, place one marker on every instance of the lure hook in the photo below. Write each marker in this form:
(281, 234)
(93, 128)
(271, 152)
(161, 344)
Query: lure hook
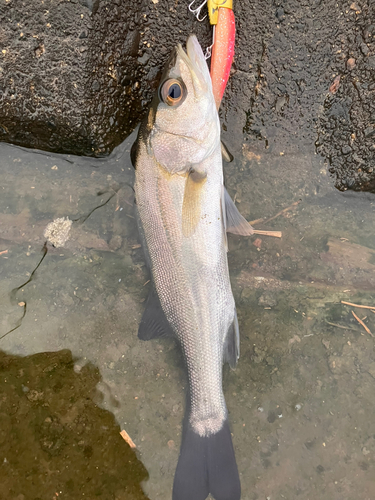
(208, 51)
(198, 10)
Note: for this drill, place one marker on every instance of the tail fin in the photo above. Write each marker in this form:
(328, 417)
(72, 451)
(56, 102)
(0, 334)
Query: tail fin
(207, 465)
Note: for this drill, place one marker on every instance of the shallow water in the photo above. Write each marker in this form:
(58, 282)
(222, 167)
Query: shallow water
(302, 399)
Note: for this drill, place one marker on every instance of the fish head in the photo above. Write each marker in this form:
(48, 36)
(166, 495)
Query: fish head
(183, 121)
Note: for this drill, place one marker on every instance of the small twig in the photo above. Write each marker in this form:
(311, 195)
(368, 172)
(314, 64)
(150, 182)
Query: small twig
(3, 252)
(343, 327)
(117, 202)
(256, 221)
(278, 213)
(357, 305)
(362, 323)
(125, 436)
(276, 234)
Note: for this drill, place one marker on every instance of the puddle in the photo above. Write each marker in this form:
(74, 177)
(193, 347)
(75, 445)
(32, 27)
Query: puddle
(302, 398)
(56, 441)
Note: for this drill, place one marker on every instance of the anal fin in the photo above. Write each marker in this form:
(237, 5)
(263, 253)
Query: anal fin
(154, 324)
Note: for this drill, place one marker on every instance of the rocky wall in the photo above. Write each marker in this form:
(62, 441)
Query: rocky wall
(77, 76)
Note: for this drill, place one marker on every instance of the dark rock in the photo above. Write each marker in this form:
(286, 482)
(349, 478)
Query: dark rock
(95, 86)
(358, 159)
(81, 76)
(280, 14)
(62, 60)
(349, 115)
(350, 64)
(364, 49)
(369, 131)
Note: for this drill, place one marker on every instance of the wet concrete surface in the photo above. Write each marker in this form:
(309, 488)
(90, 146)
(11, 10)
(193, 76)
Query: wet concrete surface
(302, 398)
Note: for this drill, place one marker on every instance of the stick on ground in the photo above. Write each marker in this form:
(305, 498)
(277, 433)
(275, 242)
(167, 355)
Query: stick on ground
(343, 327)
(125, 436)
(357, 305)
(276, 234)
(362, 323)
(277, 215)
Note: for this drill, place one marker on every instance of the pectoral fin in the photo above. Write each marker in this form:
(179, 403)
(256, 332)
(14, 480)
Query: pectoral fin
(232, 343)
(154, 324)
(191, 206)
(234, 222)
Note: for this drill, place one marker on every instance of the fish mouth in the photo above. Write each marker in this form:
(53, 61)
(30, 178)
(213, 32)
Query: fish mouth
(196, 62)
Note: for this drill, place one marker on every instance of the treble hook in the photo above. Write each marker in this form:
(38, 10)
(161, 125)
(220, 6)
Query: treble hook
(197, 11)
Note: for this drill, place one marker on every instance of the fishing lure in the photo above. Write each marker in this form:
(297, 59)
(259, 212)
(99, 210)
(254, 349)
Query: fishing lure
(222, 49)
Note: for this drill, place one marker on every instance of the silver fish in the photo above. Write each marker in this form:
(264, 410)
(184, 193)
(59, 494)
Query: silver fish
(184, 213)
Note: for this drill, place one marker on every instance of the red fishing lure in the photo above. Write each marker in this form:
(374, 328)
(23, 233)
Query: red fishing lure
(222, 16)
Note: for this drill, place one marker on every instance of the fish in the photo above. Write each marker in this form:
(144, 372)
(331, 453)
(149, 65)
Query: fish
(184, 213)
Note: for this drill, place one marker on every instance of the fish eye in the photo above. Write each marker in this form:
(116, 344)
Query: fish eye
(172, 92)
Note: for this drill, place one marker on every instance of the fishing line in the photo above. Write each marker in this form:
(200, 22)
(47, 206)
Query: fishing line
(13, 293)
(18, 324)
(84, 218)
(15, 290)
